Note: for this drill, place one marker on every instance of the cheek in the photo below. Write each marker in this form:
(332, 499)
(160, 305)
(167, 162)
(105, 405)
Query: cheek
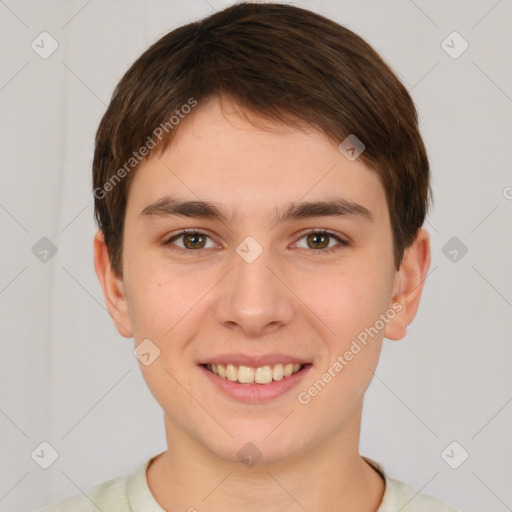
(352, 300)
(159, 299)
(351, 309)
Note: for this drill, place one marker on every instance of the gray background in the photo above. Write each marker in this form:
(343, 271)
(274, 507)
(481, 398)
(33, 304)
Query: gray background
(67, 377)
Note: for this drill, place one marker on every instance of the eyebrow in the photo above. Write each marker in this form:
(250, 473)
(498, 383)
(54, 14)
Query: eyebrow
(333, 207)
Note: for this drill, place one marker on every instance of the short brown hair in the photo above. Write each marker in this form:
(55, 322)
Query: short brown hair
(284, 63)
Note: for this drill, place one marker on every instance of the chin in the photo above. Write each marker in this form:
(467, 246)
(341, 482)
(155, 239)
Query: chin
(260, 443)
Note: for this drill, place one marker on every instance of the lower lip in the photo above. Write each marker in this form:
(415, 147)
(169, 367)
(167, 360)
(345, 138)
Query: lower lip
(256, 393)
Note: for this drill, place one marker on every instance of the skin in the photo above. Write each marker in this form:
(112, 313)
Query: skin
(294, 298)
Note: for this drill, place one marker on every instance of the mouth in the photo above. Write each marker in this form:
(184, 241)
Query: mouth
(261, 375)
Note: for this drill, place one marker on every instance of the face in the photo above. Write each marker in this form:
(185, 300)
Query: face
(263, 279)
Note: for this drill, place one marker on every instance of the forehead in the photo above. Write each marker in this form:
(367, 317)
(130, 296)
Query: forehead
(251, 164)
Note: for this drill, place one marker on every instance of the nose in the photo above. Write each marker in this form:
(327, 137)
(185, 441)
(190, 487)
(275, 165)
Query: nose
(254, 297)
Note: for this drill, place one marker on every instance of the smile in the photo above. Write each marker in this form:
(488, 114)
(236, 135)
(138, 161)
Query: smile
(249, 375)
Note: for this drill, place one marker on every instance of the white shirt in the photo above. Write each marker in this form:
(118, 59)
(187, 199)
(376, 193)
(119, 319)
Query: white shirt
(131, 493)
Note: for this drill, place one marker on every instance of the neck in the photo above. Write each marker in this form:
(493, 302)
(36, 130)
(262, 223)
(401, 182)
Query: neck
(330, 475)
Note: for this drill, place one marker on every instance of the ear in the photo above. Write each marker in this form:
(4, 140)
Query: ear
(113, 288)
(409, 283)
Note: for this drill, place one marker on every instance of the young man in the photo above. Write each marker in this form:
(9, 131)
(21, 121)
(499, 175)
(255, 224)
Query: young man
(260, 187)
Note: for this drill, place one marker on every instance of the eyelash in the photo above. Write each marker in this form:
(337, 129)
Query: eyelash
(342, 242)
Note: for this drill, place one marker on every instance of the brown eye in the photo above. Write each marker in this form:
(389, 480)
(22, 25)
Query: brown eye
(318, 240)
(192, 240)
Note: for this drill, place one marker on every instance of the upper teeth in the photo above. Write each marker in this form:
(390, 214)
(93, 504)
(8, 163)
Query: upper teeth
(248, 375)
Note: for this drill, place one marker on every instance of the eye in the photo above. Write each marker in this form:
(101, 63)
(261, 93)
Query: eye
(192, 240)
(315, 239)
(319, 240)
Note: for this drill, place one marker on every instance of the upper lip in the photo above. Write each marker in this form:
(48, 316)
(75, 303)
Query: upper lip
(255, 361)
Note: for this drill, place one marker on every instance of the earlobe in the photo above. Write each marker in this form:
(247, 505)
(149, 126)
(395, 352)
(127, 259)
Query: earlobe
(409, 284)
(112, 286)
